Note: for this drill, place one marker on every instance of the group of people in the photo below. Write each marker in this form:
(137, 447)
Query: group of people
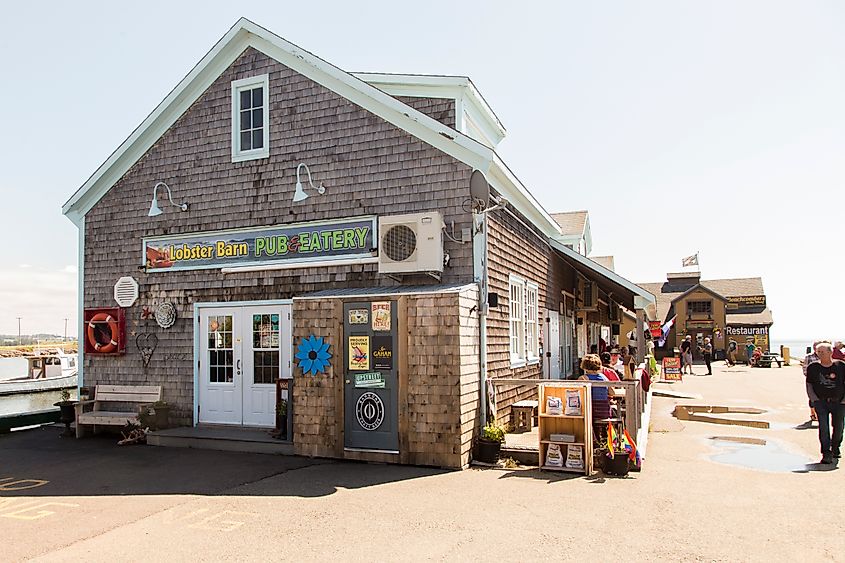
(824, 371)
(705, 349)
(752, 352)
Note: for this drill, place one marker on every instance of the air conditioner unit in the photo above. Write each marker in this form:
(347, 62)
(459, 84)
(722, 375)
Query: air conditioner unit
(410, 243)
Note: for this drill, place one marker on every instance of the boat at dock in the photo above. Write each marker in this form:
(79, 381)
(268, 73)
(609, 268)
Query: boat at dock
(46, 371)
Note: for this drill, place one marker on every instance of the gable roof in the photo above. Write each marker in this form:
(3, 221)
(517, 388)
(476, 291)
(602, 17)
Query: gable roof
(473, 115)
(572, 223)
(667, 293)
(245, 34)
(697, 287)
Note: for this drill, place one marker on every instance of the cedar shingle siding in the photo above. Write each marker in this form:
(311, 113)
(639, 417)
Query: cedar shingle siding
(369, 167)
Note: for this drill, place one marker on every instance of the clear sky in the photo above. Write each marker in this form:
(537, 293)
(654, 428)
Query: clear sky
(681, 126)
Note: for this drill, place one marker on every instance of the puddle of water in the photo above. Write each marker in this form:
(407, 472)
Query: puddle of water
(752, 454)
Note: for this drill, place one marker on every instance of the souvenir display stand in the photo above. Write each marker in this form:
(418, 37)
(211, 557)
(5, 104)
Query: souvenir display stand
(565, 427)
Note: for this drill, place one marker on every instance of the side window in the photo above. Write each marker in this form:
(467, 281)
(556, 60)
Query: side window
(250, 118)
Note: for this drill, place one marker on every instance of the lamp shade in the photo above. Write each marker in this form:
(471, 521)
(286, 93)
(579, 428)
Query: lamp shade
(154, 208)
(298, 195)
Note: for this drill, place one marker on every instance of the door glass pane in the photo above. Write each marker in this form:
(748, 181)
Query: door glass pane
(220, 352)
(265, 346)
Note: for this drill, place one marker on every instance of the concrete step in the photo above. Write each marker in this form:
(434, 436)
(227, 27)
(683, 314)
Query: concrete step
(524, 455)
(224, 438)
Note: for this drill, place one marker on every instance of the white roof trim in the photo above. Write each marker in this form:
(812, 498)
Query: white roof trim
(506, 183)
(246, 34)
(602, 271)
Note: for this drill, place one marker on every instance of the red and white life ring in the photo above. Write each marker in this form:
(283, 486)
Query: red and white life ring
(115, 331)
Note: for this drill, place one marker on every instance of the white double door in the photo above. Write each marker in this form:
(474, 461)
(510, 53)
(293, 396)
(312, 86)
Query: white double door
(243, 350)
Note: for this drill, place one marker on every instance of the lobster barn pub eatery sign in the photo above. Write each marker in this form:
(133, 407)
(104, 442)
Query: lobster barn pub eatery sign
(296, 243)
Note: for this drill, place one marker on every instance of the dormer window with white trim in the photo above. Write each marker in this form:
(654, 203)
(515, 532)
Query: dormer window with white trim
(250, 118)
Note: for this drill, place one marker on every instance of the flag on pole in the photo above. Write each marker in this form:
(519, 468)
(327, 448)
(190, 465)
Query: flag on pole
(611, 438)
(664, 331)
(690, 260)
(631, 447)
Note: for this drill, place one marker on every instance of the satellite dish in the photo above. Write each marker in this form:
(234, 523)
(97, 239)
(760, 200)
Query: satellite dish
(479, 191)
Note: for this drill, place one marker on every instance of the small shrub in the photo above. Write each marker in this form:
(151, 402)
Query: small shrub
(493, 432)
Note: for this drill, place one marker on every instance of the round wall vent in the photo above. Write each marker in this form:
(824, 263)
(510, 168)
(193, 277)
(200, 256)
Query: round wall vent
(126, 291)
(399, 243)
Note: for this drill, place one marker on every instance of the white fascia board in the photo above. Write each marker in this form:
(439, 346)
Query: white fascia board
(458, 88)
(247, 34)
(645, 296)
(507, 184)
(588, 235)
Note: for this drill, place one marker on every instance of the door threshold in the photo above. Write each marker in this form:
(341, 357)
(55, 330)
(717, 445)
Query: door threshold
(369, 451)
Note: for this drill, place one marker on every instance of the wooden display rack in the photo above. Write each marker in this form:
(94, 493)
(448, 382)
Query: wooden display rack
(578, 425)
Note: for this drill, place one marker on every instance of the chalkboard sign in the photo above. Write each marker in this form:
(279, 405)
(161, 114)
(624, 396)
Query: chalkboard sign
(672, 369)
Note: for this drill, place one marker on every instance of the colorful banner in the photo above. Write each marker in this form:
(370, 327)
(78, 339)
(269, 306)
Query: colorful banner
(654, 327)
(359, 353)
(672, 369)
(296, 243)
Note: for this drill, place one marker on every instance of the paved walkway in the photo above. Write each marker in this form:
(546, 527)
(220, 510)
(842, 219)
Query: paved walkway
(90, 500)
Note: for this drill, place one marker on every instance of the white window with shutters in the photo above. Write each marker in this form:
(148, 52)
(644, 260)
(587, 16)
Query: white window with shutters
(532, 333)
(517, 320)
(524, 326)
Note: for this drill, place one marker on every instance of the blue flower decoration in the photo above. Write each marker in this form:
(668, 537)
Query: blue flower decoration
(313, 355)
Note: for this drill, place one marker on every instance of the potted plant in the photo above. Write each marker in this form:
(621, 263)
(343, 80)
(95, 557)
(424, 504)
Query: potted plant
(490, 443)
(67, 411)
(282, 418)
(155, 415)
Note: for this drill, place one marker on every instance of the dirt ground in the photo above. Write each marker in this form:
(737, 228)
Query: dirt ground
(693, 501)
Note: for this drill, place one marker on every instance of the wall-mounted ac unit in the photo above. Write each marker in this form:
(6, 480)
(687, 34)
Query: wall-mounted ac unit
(588, 295)
(410, 243)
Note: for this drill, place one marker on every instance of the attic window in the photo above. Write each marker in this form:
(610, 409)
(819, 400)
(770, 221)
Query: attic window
(250, 119)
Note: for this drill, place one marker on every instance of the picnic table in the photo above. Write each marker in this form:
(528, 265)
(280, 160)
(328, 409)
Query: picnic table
(766, 360)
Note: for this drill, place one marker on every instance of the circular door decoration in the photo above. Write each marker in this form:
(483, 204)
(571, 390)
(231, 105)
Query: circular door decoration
(165, 314)
(370, 411)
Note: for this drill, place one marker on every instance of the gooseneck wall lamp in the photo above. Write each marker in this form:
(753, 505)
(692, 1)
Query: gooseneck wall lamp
(299, 194)
(155, 209)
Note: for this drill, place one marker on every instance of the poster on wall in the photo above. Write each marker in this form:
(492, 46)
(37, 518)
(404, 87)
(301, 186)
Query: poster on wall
(381, 316)
(359, 353)
(359, 316)
(382, 352)
(672, 369)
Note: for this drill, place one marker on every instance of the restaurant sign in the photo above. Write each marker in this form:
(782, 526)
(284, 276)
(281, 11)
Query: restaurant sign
(746, 301)
(656, 329)
(297, 243)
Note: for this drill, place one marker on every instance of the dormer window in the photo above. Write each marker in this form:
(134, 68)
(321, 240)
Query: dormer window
(250, 118)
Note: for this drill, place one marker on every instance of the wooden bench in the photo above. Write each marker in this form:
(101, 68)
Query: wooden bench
(140, 395)
(523, 415)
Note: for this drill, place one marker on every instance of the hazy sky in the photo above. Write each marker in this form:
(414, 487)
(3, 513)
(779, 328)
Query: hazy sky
(681, 126)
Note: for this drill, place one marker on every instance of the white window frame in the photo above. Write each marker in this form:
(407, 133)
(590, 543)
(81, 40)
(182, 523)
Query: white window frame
(532, 325)
(516, 320)
(262, 80)
(523, 321)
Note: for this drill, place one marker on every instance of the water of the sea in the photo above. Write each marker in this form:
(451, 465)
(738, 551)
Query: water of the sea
(14, 404)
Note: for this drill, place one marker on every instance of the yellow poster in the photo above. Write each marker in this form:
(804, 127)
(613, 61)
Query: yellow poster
(359, 353)
(381, 315)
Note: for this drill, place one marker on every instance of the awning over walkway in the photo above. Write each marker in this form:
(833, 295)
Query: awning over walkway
(624, 292)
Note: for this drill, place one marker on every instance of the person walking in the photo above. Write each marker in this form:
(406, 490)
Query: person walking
(732, 348)
(686, 354)
(708, 355)
(826, 387)
(805, 363)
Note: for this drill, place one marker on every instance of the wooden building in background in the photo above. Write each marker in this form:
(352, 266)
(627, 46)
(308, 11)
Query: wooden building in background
(721, 310)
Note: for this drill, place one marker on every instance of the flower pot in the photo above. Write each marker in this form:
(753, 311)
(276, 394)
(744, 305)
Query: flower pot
(67, 414)
(616, 465)
(487, 451)
(162, 416)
